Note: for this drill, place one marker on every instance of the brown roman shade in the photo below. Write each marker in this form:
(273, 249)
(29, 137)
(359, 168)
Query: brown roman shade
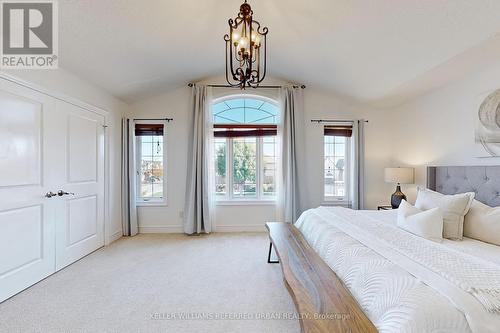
(243, 130)
(338, 130)
(148, 129)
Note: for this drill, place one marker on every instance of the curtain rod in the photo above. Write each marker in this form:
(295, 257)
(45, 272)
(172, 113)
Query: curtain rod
(190, 84)
(319, 121)
(167, 119)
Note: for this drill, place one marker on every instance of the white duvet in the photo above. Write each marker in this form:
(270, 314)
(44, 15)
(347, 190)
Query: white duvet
(397, 292)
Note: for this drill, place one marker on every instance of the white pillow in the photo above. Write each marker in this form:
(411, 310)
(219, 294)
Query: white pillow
(482, 222)
(427, 224)
(454, 208)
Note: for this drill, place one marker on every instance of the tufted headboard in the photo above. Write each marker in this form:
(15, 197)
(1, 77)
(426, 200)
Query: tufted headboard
(483, 180)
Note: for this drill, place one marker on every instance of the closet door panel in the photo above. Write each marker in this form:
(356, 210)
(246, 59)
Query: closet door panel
(83, 149)
(27, 216)
(80, 221)
(20, 140)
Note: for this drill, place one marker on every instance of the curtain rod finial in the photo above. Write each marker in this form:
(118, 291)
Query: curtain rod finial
(190, 84)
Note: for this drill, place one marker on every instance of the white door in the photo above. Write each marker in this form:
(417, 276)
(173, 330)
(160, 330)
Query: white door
(80, 212)
(27, 217)
(47, 145)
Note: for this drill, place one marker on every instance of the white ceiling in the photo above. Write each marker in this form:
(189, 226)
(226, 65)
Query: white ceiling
(364, 49)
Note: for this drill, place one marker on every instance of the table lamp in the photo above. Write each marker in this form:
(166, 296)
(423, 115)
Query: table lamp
(398, 176)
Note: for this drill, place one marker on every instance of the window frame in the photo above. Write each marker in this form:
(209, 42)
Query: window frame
(163, 201)
(229, 198)
(259, 199)
(339, 200)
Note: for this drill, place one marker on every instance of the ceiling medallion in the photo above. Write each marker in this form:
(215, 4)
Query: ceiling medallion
(245, 50)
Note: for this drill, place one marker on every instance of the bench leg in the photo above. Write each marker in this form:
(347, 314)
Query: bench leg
(269, 261)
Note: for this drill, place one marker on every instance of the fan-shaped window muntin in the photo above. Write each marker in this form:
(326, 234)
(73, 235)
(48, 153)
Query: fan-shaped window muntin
(245, 110)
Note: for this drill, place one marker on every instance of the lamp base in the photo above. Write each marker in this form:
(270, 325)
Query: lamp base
(397, 197)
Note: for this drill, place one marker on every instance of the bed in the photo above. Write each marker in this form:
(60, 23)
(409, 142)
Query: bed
(357, 271)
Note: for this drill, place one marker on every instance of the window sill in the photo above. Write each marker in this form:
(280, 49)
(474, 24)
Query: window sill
(245, 203)
(341, 203)
(151, 204)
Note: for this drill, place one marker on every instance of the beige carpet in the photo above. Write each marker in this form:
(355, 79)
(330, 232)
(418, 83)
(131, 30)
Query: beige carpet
(141, 284)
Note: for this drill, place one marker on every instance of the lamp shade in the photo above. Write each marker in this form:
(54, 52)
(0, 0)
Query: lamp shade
(399, 175)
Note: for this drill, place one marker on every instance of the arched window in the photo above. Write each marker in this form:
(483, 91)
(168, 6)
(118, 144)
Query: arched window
(245, 110)
(245, 147)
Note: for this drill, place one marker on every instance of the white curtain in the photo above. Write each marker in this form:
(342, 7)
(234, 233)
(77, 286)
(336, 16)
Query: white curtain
(292, 184)
(129, 209)
(357, 192)
(199, 210)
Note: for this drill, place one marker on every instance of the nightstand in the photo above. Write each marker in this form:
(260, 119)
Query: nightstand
(384, 208)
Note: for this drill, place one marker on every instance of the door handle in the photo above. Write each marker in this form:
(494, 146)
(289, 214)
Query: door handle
(61, 193)
(50, 194)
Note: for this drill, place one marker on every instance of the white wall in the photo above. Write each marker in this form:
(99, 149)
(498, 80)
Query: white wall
(438, 128)
(63, 82)
(324, 105)
(434, 129)
(173, 104)
(317, 104)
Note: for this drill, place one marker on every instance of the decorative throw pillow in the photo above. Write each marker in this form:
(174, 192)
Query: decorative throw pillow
(482, 222)
(454, 208)
(427, 224)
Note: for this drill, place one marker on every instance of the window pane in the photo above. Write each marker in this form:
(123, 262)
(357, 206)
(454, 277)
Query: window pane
(158, 190)
(146, 190)
(157, 146)
(147, 138)
(157, 170)
(245, 111)
(334, 167)
(150, 167)
(145, 148)
(244, 167)
(220, 150)
(269, 166)
(146, 170)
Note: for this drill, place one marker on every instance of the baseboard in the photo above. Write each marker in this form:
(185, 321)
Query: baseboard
(176, 229)
(241, 228)
(114, 237)
(161, 229)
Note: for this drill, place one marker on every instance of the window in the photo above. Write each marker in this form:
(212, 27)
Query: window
(337, 141)
(150, 158)
(245, 148)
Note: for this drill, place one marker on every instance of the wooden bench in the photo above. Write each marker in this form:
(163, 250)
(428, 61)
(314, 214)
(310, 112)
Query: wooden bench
(323, 303)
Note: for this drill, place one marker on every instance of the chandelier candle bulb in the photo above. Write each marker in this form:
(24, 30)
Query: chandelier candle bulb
(243, 43)
(256, 41)
(236, 38)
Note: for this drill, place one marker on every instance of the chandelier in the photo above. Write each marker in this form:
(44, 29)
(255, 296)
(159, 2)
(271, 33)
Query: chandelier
(245, 50)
